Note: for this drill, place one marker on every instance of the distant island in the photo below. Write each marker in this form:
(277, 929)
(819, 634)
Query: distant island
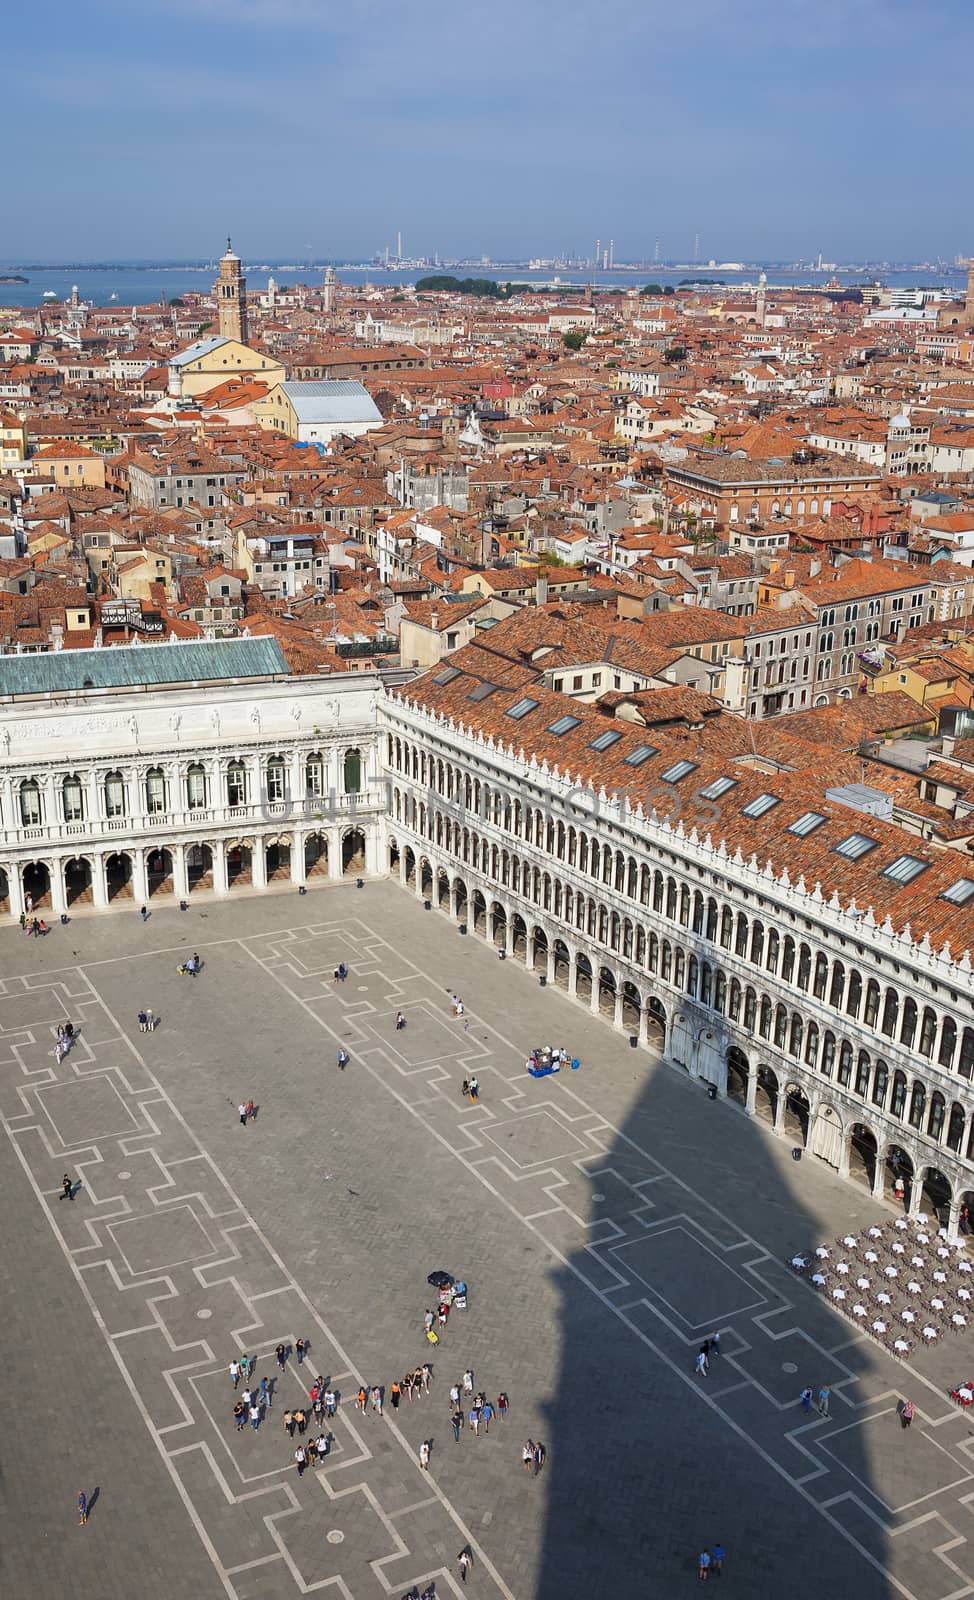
(13, 277)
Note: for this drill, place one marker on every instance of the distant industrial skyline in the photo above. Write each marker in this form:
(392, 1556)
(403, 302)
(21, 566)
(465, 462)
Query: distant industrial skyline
(773, 128)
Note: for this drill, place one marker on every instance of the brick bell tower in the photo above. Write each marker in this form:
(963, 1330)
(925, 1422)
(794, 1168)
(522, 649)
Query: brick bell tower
(231, 297)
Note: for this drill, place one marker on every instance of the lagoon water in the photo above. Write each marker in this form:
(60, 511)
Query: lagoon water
(128, 285)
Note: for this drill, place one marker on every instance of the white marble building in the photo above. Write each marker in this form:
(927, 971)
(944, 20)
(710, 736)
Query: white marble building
(121, 790)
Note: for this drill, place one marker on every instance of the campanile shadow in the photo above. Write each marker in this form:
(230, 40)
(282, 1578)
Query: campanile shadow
(695, 1212)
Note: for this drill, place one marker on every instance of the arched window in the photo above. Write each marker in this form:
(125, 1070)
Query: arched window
(697, 911)
(881, 1083)
(114, 795)
(30, 803)
(870, 1015)
(948, 1042)
(788, 959)
(908, 1026)
(711, 920)
(938, 1113)
(928, 1032)
(72, 799)
(726, 927)
(862, 1074)
(845, 1063)
(155, 791)
(314, 773)
(750, 1009)
(670, 899)
(720, 992)
(795, 1036)
(694, 976)
(740, 941)
(821, 979)
(679, 968)
(918, 1102)
(764, 1024)
(774, 951)
(757, 943)
(236, 783)
(734, 1002)
(965, 1065)
(667, 966)
(955, 1127)
(653, 953)
(828, 1054)
(891, 1008)
(780, 1027)
(804, 966)
(353, 771)
(276, 778)
(196, 787)
(897, 1103)
(853, 998)
(838, 985)
(811, 1044)
(706, 984)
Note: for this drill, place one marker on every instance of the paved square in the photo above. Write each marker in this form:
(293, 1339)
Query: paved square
(604, 1219)
(169, 1239)
(80, 1112)
(702, 1290)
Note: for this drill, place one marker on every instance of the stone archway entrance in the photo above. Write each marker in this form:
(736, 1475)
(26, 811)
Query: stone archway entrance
(826, 1140)
(353, 853)
(583, 977)
(118, 876)
(519, 936)
(37, 885)
(738, 1072)
(158, 872)
(936, 1195)
(239, 865)
(78, 882)
(631, 1007)
(898, 1176)
(4, 891)
(766, 1095)
(607, 993)
(796, 1119)
(278, 860)
(199, 867)
(478, 907)
(563, 963)
(316, 856)
(863, 1154)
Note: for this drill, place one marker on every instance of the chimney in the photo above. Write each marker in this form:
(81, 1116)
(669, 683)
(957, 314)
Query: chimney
(541, 591)
(434, 620)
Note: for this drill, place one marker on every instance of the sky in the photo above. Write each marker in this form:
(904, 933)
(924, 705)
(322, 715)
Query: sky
(769, 128)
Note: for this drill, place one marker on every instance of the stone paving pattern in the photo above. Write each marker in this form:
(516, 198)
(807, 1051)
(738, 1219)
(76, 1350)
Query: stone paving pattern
(606, 1220)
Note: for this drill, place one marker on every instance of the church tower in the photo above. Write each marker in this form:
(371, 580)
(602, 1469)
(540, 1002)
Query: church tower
(329, 293)
(231, 297)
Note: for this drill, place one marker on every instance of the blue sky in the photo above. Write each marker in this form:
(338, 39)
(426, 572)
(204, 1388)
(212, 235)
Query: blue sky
(770, 127)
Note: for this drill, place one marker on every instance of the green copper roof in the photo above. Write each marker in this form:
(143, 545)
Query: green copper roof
(138, 666)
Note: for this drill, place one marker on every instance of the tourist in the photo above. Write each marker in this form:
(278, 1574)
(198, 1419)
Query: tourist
(466, 1562)
(281, 1354)
(503, 1404)
(424, 1455)
(456, 1421)
(539, 1457)
(300, 1346)
(82, 1508)
(527, 1455)
(289, 1424)
(717, 1555)
(240, 1413)
(806, 1398)
(824, 1400)
(400, 1022)
(395, 1395)
(234, 1371)
(703, 1565)
(907, 1413)
(700, 1365)
(67, 1188)
(331, 1402)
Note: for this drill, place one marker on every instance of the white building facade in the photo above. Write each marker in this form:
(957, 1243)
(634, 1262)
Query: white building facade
(851, 1039)
(131, 795)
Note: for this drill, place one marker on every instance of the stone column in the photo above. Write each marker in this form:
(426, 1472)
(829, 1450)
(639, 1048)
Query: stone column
(594, 1000)
(15, 888)
(779, 1110)
(617, 1014)
(298, 874)
(219, 849)
(258, 863)
(373, 865)
(59, 898)
(751, 1093)
(572, 977)
(140, 877)
(916, 1194)
(551, 965)
(953, 1217)
(453, 900)
(99, 888)
(878, 1177)
(180, 882)
(335, 853)
(94, 799)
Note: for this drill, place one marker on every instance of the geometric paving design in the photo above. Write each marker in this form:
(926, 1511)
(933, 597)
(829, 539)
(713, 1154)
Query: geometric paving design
(539, 1183)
